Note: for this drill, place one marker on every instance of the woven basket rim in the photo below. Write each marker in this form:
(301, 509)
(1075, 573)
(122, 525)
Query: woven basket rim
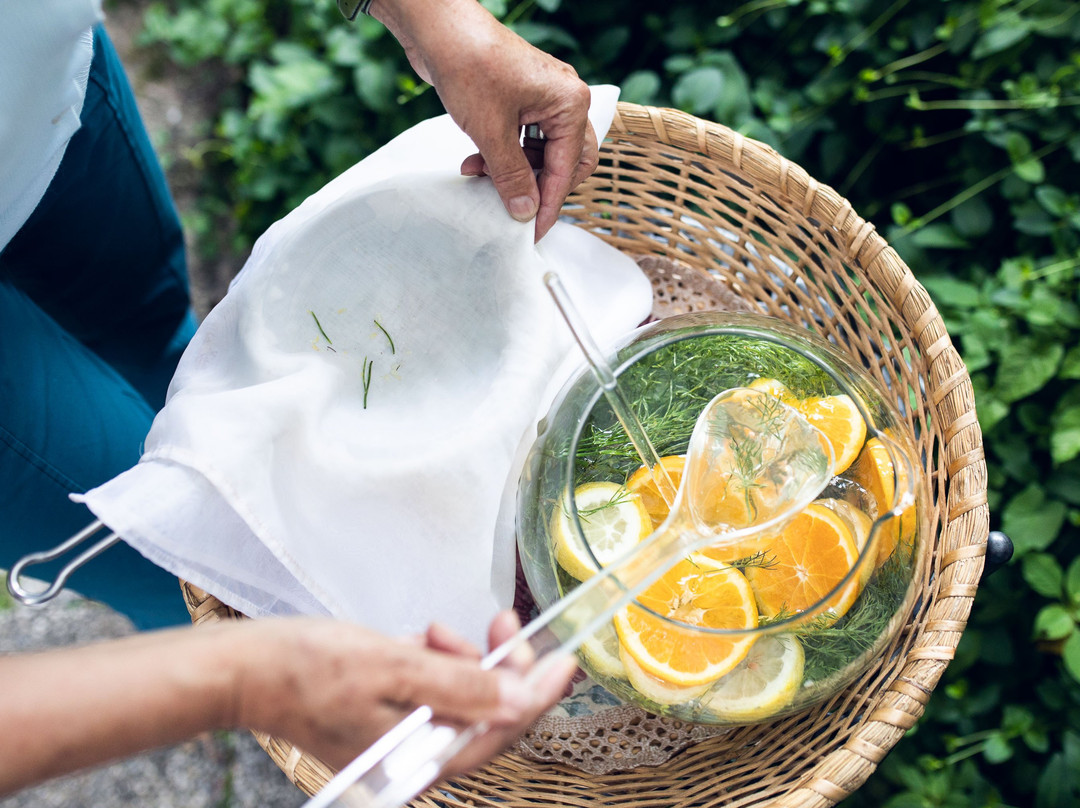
(959, 547)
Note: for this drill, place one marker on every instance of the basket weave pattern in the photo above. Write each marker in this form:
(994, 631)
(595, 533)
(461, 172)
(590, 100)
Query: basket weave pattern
(673, 185)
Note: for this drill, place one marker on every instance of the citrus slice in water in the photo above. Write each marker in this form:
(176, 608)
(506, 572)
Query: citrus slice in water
(839, 419)
(810, 557)
(700, 593)
(873, 470)
(612, 519)
(857, 520)
(762, 684)
(774, 387)
(656, 689)
(600, 653)
(643, 483)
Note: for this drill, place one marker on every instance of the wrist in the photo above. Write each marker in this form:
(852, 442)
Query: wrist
(256, 662)
(431, 25)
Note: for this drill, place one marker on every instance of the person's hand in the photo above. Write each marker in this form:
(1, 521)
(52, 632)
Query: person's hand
(493, 83)
(333, 688)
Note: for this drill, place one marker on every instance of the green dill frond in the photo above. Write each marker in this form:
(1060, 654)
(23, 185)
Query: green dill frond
(318, 325)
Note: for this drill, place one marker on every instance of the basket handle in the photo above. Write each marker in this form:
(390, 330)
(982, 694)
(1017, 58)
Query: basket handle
(23, 595)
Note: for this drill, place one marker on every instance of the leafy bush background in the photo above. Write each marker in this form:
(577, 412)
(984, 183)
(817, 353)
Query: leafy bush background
(953, 126)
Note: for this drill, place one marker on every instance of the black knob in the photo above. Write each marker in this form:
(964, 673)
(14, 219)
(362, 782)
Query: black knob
(999, 549)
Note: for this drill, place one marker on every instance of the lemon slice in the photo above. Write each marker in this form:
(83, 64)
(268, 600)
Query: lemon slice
(760, 686)
(774, 387)
(600, 653)
(656, 689)
(612, 520)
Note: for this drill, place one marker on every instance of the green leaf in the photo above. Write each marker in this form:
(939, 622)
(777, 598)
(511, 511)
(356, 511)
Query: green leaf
(997, 749)
(1070, 655)
(1072, 581)
(1032, 521)
(1070, 365)
(999, 38)
(947, 290)
(698, 90)
(1017, 145)
(1026, 365)
(1065, 428)
(375, 83)
(1053, 622)
(939, 236)
(990, 409)
(906, 800)
(1064, 483)
(973, 218)
(1053, 789)
(1030, 170)
(640, 87)
(1043, 574)
(1053, 200)
(1037, 739)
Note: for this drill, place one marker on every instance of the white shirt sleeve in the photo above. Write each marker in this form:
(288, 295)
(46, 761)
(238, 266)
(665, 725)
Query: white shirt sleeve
(45, 51)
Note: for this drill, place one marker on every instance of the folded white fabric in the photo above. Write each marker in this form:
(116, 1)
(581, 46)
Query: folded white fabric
(345, 431)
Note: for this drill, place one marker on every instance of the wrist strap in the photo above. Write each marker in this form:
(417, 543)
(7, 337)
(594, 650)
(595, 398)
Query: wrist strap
(351, 8)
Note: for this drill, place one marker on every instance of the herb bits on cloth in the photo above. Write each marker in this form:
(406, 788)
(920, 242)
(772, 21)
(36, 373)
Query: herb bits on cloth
(342, 434)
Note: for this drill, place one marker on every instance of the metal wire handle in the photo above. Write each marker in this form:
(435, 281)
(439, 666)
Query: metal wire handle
(25, 596)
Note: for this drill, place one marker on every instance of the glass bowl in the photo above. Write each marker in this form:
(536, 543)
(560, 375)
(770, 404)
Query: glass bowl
(772, 614)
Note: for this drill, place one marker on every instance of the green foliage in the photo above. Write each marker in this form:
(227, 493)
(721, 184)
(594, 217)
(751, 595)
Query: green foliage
(954, 126)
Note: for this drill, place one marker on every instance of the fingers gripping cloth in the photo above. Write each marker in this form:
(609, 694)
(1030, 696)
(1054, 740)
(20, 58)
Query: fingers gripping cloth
(345, 431)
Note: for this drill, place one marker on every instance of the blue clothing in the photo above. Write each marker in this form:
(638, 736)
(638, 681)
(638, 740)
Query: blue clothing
(94, 314)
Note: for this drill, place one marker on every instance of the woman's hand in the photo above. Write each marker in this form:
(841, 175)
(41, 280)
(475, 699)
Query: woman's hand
(492, 82)
(328, 686)
(334, 688)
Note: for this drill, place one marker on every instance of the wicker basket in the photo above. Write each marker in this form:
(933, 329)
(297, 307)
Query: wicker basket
(672, 185)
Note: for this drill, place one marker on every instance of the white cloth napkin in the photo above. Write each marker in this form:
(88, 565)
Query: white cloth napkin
(345, 431)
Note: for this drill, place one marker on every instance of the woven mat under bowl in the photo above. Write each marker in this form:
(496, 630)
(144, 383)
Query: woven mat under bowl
(676, 186)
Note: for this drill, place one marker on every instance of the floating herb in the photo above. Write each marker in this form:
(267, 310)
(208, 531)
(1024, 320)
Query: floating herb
(319, 326)
(389, 339)
(616, 499)
(365, 376)
(762, 560)
(830, 647)
(669, 388)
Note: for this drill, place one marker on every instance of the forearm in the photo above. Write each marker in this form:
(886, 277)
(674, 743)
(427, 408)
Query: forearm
(68, 709)
(436, 31)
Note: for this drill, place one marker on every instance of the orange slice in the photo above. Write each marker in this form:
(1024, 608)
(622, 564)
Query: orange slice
(698, 592)
(642, 483)
(836, 416)
(858, 521)
(808, 560)
(839, 419)
(874, 472)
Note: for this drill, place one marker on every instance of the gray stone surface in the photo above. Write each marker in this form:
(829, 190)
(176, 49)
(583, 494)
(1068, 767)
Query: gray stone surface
(214, 770)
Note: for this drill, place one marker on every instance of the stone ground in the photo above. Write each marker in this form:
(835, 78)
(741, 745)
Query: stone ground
(219, 770)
